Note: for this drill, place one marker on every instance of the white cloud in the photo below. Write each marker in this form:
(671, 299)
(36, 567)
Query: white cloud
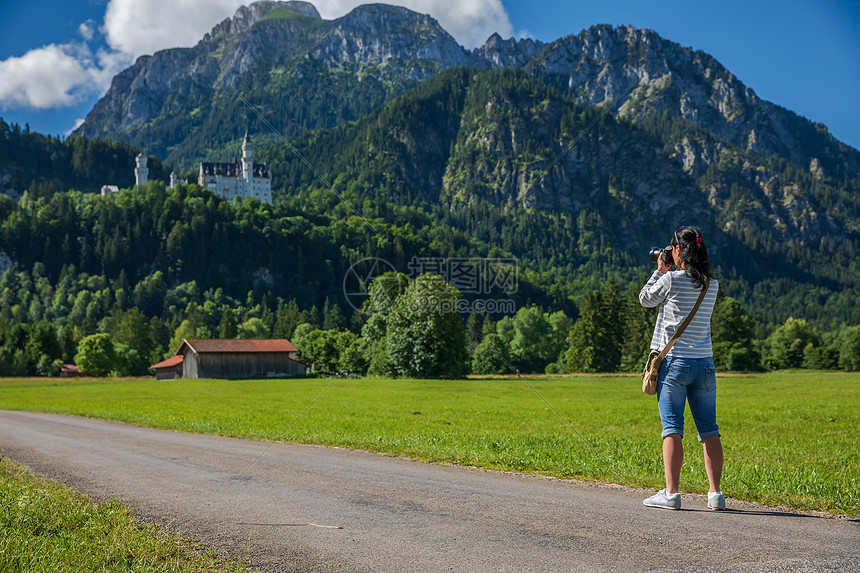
(86, 30)
(78, 122)
(59, 75)
(50, 76)
(471, 22)
(138, 27)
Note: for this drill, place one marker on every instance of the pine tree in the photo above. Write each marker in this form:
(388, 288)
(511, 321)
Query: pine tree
(228, 328)
(333, 317)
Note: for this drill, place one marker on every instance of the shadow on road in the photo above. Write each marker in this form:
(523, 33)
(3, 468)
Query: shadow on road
(766, 513)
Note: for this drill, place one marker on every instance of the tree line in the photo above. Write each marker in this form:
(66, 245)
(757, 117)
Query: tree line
(403, 335)
(403, 329)
(151, 266)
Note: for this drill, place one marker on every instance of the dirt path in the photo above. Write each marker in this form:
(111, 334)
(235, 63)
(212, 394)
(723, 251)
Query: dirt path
(404, 516)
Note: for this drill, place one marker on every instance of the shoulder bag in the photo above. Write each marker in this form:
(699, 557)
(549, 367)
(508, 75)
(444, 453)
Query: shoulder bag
(655, 358)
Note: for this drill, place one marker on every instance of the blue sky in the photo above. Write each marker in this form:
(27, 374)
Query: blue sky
(57, 56)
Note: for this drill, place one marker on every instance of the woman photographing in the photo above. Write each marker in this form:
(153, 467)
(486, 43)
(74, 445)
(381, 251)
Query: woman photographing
(687, 374)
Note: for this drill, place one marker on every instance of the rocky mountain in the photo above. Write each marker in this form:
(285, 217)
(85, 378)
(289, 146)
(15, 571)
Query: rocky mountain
(643, 74)
(514, 162)
(299, 71)
(571, 155)
(338, 70)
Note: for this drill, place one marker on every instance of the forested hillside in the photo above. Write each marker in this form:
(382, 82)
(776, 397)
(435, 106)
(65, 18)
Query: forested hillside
(43, 164)
(489, 154)
(388, 140)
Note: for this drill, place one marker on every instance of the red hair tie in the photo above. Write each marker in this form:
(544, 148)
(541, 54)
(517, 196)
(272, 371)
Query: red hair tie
(698, 239)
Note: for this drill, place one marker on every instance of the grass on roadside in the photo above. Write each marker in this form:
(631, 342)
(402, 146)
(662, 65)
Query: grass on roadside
(790, 437)
(52, 528)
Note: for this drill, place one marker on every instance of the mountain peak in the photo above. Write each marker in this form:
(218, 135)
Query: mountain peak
(247, 16)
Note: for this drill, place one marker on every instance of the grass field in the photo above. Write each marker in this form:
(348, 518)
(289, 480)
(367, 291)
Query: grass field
(49, 527)
(791, 438)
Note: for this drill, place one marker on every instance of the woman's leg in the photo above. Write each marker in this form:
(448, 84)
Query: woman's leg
(713, 450)
(702, 395)
(673, 459)
(671, 401)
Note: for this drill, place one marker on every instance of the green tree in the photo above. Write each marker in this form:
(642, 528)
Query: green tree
(228, 328)
(638, 330)
(299, 335)
(380, 363)
(42, 349)
(355, 357)
(849, 348)
(785, 347)
(824, 357)
(134, 330)
(287, 318)
(596, 340)
(506, 330)
(561, 325)
(96, 354)
(149, 294)
(185, 330)
(733, 337)
(333, 317)
(252, 328)
(533, 345)
(612, 327)
(473, 331)
(491, 356)
(324, 349)
(383, 293)
(129, 362)
(584, 337)
(425, 335)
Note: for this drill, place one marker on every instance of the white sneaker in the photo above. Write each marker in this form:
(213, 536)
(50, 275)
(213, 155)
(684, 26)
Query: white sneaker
(664, 500)
(716, 500)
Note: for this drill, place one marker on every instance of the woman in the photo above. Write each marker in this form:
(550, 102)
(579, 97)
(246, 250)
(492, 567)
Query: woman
(687, 373)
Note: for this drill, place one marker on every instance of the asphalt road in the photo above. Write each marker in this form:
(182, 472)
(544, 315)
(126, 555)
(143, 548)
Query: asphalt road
(250, 498)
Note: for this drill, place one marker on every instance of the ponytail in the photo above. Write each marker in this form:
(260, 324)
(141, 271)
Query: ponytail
(694, 253)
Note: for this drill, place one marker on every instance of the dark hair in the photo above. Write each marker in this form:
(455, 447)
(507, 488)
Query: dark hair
(694, 253)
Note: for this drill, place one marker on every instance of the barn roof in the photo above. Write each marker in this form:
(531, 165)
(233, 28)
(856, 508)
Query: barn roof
(199, 345)
(172, 361)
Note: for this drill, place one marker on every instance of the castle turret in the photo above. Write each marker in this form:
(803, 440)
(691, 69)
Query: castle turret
(247, 160)
(141, 173)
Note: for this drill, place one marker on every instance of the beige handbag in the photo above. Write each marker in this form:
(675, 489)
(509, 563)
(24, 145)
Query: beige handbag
(655, 358)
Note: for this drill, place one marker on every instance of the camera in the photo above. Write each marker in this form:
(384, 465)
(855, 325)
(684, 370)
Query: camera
(665, 252)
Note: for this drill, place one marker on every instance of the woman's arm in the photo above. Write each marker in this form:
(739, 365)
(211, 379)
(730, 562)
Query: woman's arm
(655, 290)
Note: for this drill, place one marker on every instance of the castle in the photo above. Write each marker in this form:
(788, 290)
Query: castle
(141, 172)
(243, 179)
(228, 180)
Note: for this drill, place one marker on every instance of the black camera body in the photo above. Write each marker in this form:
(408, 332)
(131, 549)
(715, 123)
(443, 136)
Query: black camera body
(665, 253)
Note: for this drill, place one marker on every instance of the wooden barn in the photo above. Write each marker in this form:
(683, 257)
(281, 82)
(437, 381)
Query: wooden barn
(169, 369)
(200, 358)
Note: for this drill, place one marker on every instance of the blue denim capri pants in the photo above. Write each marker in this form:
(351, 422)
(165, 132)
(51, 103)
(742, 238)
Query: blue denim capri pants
(692, 380)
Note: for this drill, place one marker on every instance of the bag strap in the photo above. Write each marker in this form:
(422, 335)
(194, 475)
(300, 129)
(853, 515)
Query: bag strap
(686, 322)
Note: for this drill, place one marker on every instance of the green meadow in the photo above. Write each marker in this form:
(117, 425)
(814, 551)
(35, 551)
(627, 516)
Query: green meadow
(791, 438)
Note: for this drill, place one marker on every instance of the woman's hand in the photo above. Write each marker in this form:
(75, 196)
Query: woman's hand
(662, 266)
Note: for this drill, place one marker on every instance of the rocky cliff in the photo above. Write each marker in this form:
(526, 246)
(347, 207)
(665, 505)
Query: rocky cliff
(282, 49)
(174, 102)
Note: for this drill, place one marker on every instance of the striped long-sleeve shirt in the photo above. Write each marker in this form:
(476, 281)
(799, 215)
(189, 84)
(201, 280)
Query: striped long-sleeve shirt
(675, 294)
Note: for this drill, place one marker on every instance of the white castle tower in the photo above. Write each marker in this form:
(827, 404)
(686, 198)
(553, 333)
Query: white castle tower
(247, 160)
(141, 173)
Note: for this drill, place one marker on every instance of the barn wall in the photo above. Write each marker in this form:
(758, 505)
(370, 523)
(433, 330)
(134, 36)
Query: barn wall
(171, 373)
(190, 365)
(247, 365)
